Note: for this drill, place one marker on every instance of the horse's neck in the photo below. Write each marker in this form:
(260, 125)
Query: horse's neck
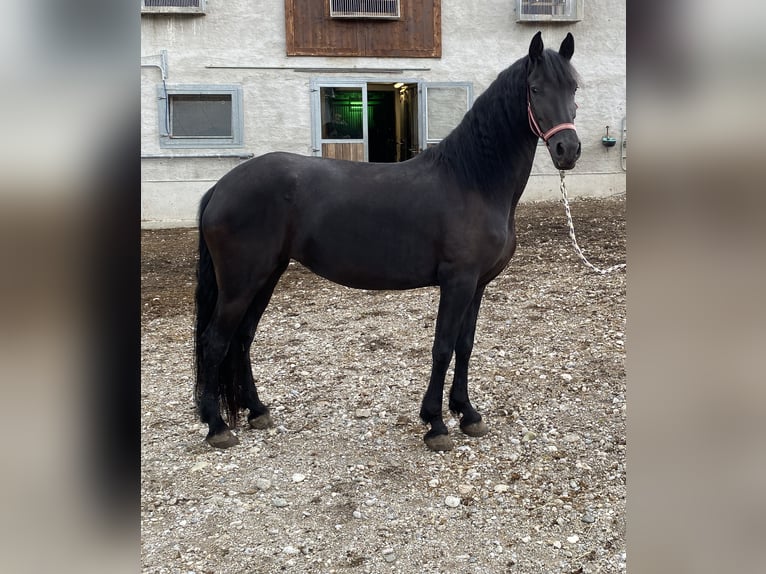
(519, 184)
(501, 152)
(493, 148)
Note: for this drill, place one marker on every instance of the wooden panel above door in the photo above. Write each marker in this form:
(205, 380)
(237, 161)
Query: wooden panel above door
(311, 32)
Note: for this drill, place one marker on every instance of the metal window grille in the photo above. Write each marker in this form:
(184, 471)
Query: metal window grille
(173, 6)
(549, 9)
(364, 9)
(174, 3)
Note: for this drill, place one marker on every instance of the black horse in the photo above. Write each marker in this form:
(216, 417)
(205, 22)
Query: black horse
(444, 217)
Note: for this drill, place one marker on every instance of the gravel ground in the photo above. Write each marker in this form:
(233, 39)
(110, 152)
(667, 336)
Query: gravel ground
(344, 483)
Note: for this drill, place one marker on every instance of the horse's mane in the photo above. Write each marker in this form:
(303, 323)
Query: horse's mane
(561, 69)
(494, 135)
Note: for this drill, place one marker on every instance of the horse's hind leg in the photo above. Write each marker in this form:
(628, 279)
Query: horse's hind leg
(259, 416)
(225, 367)
(215, 371)
(459, 403)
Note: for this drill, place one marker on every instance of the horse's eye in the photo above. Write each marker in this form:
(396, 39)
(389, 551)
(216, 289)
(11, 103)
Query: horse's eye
(534, 89)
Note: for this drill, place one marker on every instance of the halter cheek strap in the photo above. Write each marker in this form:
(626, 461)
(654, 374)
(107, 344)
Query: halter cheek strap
(535, 127)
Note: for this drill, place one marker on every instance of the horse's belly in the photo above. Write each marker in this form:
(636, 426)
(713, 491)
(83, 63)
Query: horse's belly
(368, 260)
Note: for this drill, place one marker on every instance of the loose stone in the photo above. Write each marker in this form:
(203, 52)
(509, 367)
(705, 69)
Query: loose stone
(452, 501)
(200, 465)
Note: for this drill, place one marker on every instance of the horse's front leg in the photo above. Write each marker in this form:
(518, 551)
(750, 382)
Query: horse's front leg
(459, 403)
(455, 299)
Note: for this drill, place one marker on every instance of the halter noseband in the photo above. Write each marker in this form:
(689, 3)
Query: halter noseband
(534, 126)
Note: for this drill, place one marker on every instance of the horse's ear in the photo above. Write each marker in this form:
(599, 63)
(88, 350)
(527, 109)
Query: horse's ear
(567, 47)
(536, 47)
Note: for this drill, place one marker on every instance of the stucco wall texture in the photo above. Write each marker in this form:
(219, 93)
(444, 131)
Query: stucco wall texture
(243, 42)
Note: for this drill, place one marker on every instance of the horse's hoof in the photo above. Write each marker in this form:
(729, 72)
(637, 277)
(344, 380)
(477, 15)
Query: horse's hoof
(439, 442)
(261, 422)
(224, 439)
(477, 429)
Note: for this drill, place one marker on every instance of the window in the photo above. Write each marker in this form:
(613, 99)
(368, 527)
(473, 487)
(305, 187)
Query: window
(548, 10)
(364, 8)
(200, 116)
(445, 105)
(173, 6)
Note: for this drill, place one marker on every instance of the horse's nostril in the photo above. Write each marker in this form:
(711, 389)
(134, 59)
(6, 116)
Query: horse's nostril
(579, 148)
(559, 149)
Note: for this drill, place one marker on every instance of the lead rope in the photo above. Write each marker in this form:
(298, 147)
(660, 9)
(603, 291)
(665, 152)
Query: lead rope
(574, 239)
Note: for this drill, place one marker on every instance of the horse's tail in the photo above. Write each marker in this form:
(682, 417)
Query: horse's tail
(205, 299)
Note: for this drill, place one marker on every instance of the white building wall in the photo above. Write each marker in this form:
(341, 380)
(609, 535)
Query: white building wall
(243, 42)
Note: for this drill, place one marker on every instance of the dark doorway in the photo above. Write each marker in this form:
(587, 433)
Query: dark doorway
(392, 122)
(378, 122)
(381, 126)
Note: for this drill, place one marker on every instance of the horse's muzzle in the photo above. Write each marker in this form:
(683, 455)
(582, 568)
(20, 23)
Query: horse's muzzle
(565, 149)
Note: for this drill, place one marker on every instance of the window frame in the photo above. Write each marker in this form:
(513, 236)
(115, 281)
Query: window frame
(166, 91)
(428, 139)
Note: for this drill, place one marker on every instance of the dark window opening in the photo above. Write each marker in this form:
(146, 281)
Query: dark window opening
(342, 113)
(200, 115)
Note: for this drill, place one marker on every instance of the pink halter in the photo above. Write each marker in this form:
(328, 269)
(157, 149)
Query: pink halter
(533, 125)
